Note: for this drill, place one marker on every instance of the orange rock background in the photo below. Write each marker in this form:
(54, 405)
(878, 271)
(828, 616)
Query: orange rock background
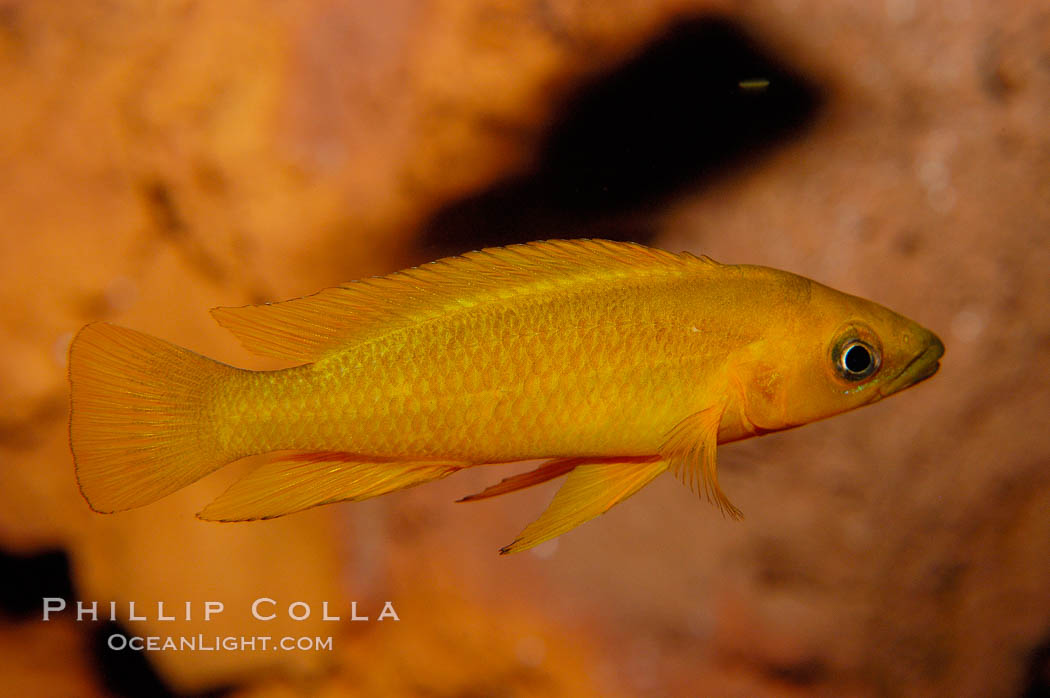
(161, 158)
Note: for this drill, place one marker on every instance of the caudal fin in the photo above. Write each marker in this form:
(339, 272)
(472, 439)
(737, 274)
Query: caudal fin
(137, 422)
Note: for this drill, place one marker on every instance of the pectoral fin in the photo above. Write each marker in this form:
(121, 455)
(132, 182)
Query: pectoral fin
(690, 450)
(589, 491)
(292, 482)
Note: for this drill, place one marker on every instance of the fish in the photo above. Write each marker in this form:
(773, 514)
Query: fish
(609, 362)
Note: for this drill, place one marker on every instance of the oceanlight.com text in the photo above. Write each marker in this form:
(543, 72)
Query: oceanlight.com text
(217, 643)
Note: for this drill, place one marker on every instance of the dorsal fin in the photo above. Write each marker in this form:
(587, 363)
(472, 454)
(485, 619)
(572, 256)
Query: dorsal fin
(309, 328)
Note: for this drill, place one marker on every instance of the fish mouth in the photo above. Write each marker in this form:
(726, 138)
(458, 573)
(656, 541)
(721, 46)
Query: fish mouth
(922, 366)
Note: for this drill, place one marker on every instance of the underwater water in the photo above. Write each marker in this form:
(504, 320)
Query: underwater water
(159, 162)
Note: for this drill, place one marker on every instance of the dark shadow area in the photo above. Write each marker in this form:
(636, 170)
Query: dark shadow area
(696, 102)
(1037, 683)
(124, 672)
(26, 579)
(127, 672)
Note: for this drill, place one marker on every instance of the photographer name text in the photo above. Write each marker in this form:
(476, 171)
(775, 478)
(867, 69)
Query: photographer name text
(262, 609)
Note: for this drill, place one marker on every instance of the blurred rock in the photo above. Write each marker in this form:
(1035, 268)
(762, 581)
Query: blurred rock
(447, 644)
(36, 647)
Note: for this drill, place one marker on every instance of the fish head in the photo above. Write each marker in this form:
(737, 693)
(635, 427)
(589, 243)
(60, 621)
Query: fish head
(832, 352)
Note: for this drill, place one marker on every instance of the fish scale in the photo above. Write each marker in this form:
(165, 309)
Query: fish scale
(526, 394)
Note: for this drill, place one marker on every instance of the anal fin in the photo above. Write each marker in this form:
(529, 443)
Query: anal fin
(690, 450)
(590, 490)
(291, 482)
(547, 471)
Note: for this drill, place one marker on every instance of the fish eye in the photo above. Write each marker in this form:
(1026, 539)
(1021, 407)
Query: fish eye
(856, 360)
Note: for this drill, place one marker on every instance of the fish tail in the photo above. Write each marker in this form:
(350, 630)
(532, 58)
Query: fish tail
(138, 423)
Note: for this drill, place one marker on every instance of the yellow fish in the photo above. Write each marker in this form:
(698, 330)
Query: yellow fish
(611, 361)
